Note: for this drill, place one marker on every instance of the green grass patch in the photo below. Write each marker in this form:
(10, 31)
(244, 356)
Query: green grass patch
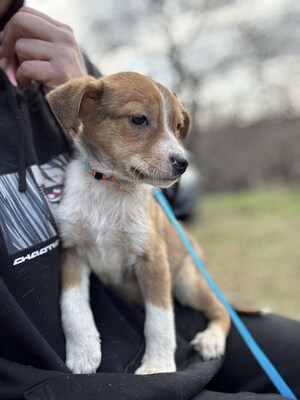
(252, 246)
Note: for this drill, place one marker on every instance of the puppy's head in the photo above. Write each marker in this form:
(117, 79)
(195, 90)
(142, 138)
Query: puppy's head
(125, 124)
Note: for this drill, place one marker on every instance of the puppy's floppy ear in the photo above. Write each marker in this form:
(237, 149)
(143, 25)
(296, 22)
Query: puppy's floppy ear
(183, 130)
(75, 100)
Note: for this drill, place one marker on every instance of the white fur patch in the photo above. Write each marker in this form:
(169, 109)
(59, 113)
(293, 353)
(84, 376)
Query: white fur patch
(211, 342)
(160, 341)
(83, 351)
(169, 144)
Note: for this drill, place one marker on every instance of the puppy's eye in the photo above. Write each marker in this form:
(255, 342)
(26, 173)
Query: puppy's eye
(139, 120)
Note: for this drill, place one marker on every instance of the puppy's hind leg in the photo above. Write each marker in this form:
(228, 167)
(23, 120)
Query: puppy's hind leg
(83, 351)
(191, 290)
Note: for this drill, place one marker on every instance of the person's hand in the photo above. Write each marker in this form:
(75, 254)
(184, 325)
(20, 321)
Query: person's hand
(46, 49)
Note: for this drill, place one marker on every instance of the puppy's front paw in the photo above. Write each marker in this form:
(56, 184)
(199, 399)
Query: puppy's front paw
(83, 354)
(154, 367)
(210, 343)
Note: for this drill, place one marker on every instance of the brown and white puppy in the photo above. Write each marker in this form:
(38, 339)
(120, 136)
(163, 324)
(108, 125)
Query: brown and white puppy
(126, 126)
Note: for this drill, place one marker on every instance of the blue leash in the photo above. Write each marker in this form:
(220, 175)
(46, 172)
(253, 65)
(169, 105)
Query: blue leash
(260, 356)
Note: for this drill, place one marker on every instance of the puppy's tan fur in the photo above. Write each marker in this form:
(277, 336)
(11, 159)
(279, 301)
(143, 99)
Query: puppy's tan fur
(116, 229)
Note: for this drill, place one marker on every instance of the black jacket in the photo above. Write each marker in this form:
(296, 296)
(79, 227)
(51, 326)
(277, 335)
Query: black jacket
(33, 155)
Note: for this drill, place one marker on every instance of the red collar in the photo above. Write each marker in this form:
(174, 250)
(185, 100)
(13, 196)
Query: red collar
(101, 176)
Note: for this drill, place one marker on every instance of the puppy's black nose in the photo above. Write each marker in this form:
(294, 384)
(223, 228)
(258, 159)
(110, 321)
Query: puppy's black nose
(179, 163)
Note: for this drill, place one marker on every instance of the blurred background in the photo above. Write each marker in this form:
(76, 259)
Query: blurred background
(235, 64)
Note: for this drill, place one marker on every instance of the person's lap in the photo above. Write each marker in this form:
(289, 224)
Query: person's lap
(121, 327)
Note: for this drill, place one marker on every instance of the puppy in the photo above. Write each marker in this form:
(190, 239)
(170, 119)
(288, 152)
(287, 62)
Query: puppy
(126, 129)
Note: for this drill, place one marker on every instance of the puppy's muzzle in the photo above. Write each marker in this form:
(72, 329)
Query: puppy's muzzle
(179, 163)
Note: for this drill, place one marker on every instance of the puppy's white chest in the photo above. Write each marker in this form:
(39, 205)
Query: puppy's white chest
(117, 251)
(108, 222)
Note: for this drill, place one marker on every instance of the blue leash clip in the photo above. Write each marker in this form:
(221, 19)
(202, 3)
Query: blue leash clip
(257, 352)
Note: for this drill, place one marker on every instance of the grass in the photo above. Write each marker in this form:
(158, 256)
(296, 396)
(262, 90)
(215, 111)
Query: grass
(252, 246)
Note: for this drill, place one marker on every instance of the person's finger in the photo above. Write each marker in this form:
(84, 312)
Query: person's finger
(51, 74)
(29, 25)
(33, 70)
(34, 49)
(43, 16)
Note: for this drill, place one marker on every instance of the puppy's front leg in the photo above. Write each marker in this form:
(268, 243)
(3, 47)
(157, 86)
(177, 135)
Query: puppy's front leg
(83, 351)
(159, 329)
